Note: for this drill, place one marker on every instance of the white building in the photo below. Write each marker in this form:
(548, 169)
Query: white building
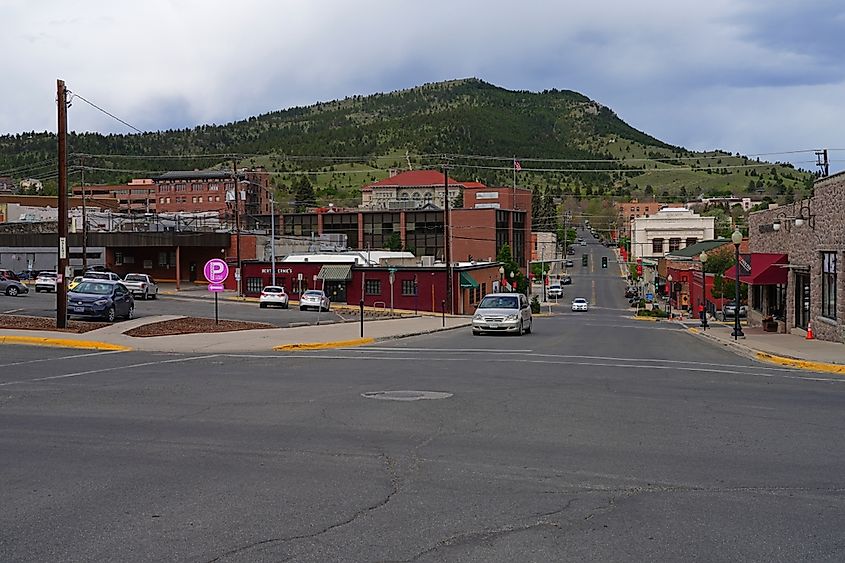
(670, 229)
(409, 190)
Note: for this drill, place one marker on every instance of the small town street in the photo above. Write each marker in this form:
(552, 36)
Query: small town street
(597, 437)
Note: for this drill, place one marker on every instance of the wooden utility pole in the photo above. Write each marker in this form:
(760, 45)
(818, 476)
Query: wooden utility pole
(84, 223)
(447, 239)
(61, 285)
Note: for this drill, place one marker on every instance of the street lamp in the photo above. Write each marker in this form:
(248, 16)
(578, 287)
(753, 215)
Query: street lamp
(512, 287)
(671, 290)
(502, 275)
(703, 313)
(736, 238)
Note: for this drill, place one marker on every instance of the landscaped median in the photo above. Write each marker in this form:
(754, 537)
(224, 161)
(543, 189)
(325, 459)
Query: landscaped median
(62, 343)
(324, 345)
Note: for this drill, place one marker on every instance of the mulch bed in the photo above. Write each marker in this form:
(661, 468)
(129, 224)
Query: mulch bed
(193, 325)
(20, 322)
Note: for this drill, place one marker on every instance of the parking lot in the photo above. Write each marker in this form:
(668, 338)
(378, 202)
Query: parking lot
(192, 303)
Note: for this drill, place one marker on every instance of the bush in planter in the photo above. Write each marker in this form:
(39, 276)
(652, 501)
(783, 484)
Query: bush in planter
(535, 304)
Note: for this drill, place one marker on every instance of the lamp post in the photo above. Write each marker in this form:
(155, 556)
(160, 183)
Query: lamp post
(671, 291)
(512, 288)
(703, 259)
(736, 238)
(502, 277)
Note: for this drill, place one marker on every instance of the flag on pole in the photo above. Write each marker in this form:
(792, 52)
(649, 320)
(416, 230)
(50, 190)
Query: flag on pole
(516, 165)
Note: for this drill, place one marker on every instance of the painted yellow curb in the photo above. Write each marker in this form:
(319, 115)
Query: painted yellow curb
(648, 319)
(324, 345)
(63, 343)
(801, 364)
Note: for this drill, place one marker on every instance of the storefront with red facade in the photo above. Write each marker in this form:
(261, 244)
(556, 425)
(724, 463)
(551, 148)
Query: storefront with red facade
(413, 288)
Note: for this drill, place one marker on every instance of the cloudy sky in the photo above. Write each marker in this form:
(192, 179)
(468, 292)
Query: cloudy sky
(740, 75)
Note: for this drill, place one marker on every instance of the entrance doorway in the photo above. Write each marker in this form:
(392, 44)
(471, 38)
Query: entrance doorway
(336, 291)
(802, 299)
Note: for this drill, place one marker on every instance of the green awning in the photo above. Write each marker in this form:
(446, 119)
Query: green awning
(335, 272)
(467, 280)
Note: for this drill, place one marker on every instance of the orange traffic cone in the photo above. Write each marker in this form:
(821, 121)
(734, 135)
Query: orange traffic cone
(810, 331)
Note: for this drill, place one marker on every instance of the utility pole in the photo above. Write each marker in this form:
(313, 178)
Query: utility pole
(84, 222)
(237, 224)
(447, 239)
(61, 285)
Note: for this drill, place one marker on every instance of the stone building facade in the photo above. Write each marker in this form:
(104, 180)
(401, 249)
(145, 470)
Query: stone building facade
(811, 233)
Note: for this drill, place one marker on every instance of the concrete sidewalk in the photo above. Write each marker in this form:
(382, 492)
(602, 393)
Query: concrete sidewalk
(776, 347)
(332, 335)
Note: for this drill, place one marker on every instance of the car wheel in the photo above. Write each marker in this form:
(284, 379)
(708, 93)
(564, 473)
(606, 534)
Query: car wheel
(530, 325)
(155, 295)
(262, 305)
(131, 314)
(110, 315)
(145, 296)
(285, 306)
(520, 331)
(12, 291)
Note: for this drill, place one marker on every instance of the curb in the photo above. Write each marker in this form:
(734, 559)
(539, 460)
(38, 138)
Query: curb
(323, 345)
(800, 364)
(63, 343)
(786, 361)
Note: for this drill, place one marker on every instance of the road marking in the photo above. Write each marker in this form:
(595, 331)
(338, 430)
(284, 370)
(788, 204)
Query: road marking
(114, 368)
(453, 350)
(594, 300)
(650, 368)
(62, 358)
(11, 311)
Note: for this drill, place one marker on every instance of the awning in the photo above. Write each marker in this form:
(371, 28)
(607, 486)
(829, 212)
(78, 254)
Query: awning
(335, 272)
(467, 280)
(766, 269)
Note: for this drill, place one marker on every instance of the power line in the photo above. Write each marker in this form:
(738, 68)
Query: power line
(95, 106)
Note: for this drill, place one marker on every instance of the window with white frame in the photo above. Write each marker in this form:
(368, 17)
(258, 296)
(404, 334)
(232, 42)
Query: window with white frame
(829, 284)
(657, 246)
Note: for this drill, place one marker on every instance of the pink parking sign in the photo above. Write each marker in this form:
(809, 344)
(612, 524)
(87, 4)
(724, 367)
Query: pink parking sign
(216, 271)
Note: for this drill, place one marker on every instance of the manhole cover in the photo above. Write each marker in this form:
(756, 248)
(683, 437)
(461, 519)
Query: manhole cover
(405, 395)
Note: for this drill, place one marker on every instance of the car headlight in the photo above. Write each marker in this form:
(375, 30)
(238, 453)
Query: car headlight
(477, 317)
(511, 317)
(101, 302)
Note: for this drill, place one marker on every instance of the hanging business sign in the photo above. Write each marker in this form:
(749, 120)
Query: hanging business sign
(744, 265)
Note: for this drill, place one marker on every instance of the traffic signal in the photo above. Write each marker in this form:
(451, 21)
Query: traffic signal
(584, 258)
(604, 261)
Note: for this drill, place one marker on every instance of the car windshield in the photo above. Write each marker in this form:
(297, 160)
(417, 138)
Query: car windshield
(499, 302)
(132, 277)
(580, 300)
(93, 288)
(273, 289)
(312, 293)
(48, 275)
(96, 276)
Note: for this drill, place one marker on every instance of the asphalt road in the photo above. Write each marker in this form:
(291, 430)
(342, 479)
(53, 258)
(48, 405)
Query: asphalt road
(191, 305)
(597, 437)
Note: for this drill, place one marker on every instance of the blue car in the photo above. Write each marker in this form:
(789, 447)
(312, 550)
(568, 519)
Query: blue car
(101, 299)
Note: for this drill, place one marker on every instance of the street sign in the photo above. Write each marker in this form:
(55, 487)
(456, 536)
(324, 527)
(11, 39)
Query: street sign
(216, 271)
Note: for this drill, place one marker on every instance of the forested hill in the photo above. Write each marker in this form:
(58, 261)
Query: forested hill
(558, 133)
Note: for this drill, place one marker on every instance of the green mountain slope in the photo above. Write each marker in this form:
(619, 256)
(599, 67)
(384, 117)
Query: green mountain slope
(564, 141)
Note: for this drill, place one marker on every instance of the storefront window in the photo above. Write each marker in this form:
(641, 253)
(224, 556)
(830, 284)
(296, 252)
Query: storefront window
(829, 285)
(373, 287)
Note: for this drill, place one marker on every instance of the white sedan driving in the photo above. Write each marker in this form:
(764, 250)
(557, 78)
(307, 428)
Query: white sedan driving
(580, 304)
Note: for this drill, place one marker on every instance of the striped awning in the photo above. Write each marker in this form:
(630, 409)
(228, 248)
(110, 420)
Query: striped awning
(335, 272)
(467, 280)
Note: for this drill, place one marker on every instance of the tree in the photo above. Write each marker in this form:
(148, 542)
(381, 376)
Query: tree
(304, 193)
(506, 258)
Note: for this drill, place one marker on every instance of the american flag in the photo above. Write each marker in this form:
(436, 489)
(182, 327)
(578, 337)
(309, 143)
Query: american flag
(516, 165)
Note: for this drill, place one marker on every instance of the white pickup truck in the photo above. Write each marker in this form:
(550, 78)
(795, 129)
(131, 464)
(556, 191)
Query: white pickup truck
(141, 285)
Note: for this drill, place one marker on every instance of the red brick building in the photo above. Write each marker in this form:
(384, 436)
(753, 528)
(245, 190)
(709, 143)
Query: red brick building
(203, 191)
(138, 196)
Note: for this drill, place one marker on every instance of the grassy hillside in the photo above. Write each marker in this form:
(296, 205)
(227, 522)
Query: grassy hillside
(564, 140)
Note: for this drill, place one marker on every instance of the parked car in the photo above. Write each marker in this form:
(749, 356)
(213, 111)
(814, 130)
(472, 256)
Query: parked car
(554, 291)
(565, 279)
(11, 287)
(46, 281)
(314, 299)
(74, 282)
(569, 263)
(570, 251)
(273, 295)
(28, 275)
(580, 304)
(141, 285)
(10, 275)
(100, 275)
(503, 312)
(101, 299)
(729, 310)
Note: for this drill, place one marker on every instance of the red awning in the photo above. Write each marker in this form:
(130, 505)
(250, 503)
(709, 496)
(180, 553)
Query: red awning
(766, 269)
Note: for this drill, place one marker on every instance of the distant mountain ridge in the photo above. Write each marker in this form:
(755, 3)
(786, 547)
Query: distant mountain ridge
(570, 141)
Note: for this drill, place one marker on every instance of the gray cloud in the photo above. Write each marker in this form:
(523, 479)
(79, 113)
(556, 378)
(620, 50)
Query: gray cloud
(740, 75)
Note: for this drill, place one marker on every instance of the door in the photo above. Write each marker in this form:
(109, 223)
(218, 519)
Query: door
(802, 300)
(121, 301)
(336, 291)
